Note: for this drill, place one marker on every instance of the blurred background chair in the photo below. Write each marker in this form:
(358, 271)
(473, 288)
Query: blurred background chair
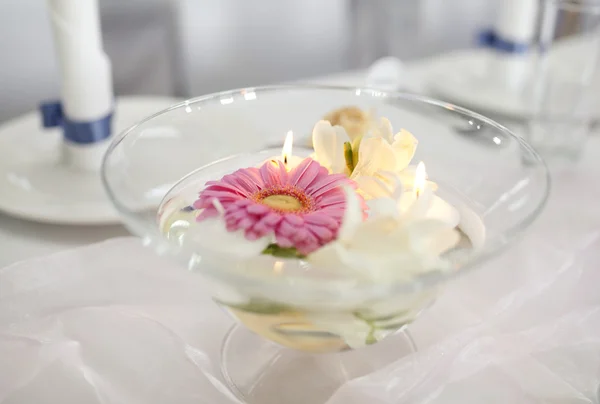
(193, 47)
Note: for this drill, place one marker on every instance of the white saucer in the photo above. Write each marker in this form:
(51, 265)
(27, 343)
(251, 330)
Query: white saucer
(481, 79)
(35, 186)
(467, 78)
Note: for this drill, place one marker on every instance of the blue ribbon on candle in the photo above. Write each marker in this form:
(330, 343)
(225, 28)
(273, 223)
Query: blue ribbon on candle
(491, 40)
(82, 132)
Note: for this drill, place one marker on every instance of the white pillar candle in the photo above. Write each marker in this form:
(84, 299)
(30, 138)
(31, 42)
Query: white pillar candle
(443, 211)
(422, 203)
(472, 225)
(516, 23)
(86, 77)
(437, 209)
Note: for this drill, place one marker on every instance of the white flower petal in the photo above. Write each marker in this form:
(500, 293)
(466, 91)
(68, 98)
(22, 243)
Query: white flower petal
(373, 187)
(384, 130)
(373, 235)
(327, 257)
(350, 328)
(212, 235)
(383, 207)
(404, 146)
(354, 120)
(328, 142)
(353, 214)
(393, 182)
(374, 154)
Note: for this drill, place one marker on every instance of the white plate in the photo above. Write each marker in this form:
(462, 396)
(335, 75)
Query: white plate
(468, 78)
(35, 186)
(490, 82)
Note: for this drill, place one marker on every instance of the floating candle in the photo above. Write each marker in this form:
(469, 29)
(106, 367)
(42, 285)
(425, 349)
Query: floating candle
(287, 158)
(422, 201)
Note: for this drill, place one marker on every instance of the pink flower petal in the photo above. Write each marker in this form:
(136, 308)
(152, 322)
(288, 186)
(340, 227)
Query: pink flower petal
(221, 186)
(261, 229)
(308, 245)
(270, 174)
(284, 242)
(206, 214)
(250, 179)
(334, 212)
(327, 187)
(300, 235)
(243, 202)
(232, 222)
(232, 226)
(258, 209)
(294, 220)
(330, 200)
(322, 181)
(285, 229)
(245, 223)
(305, 173)
(251, 235)
(221, 195)
(235, 182)
(271, 219)
(320, 219)
(236, 214)
(323, 233)
(283, 174)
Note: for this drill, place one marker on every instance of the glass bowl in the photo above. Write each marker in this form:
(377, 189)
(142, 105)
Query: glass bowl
(154, 171)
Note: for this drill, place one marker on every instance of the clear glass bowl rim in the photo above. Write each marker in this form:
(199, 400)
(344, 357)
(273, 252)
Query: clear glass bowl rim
(492, 246)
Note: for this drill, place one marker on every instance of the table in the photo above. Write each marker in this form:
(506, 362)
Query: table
(525, 318)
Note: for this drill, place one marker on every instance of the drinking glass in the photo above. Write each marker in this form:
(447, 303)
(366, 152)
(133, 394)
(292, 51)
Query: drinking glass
(564, 87)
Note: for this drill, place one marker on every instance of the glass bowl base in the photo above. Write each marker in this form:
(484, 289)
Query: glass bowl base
(260, 371)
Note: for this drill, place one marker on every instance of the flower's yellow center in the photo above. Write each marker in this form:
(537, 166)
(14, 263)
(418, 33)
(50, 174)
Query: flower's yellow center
(285, 199)
(286, 203)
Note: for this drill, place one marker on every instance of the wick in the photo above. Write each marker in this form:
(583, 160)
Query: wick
(285, 160)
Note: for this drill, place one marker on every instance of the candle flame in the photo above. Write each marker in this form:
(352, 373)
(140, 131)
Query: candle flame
(420, 179)
(286, 153)
(278, 267)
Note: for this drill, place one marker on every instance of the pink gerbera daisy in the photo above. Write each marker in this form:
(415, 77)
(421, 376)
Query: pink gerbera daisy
(302, 208)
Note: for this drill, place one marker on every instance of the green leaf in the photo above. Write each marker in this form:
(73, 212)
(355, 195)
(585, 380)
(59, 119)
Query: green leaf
(349, 157)
(276, 251)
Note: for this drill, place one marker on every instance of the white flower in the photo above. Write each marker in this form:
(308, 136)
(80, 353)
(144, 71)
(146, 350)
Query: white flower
(397, 240)
(353, 119)
(328, 142)
(378, 149)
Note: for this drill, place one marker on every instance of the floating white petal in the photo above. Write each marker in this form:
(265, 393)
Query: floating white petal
(328, 142)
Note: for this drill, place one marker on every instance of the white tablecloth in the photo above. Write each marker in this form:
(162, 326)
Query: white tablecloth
(112, 323)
